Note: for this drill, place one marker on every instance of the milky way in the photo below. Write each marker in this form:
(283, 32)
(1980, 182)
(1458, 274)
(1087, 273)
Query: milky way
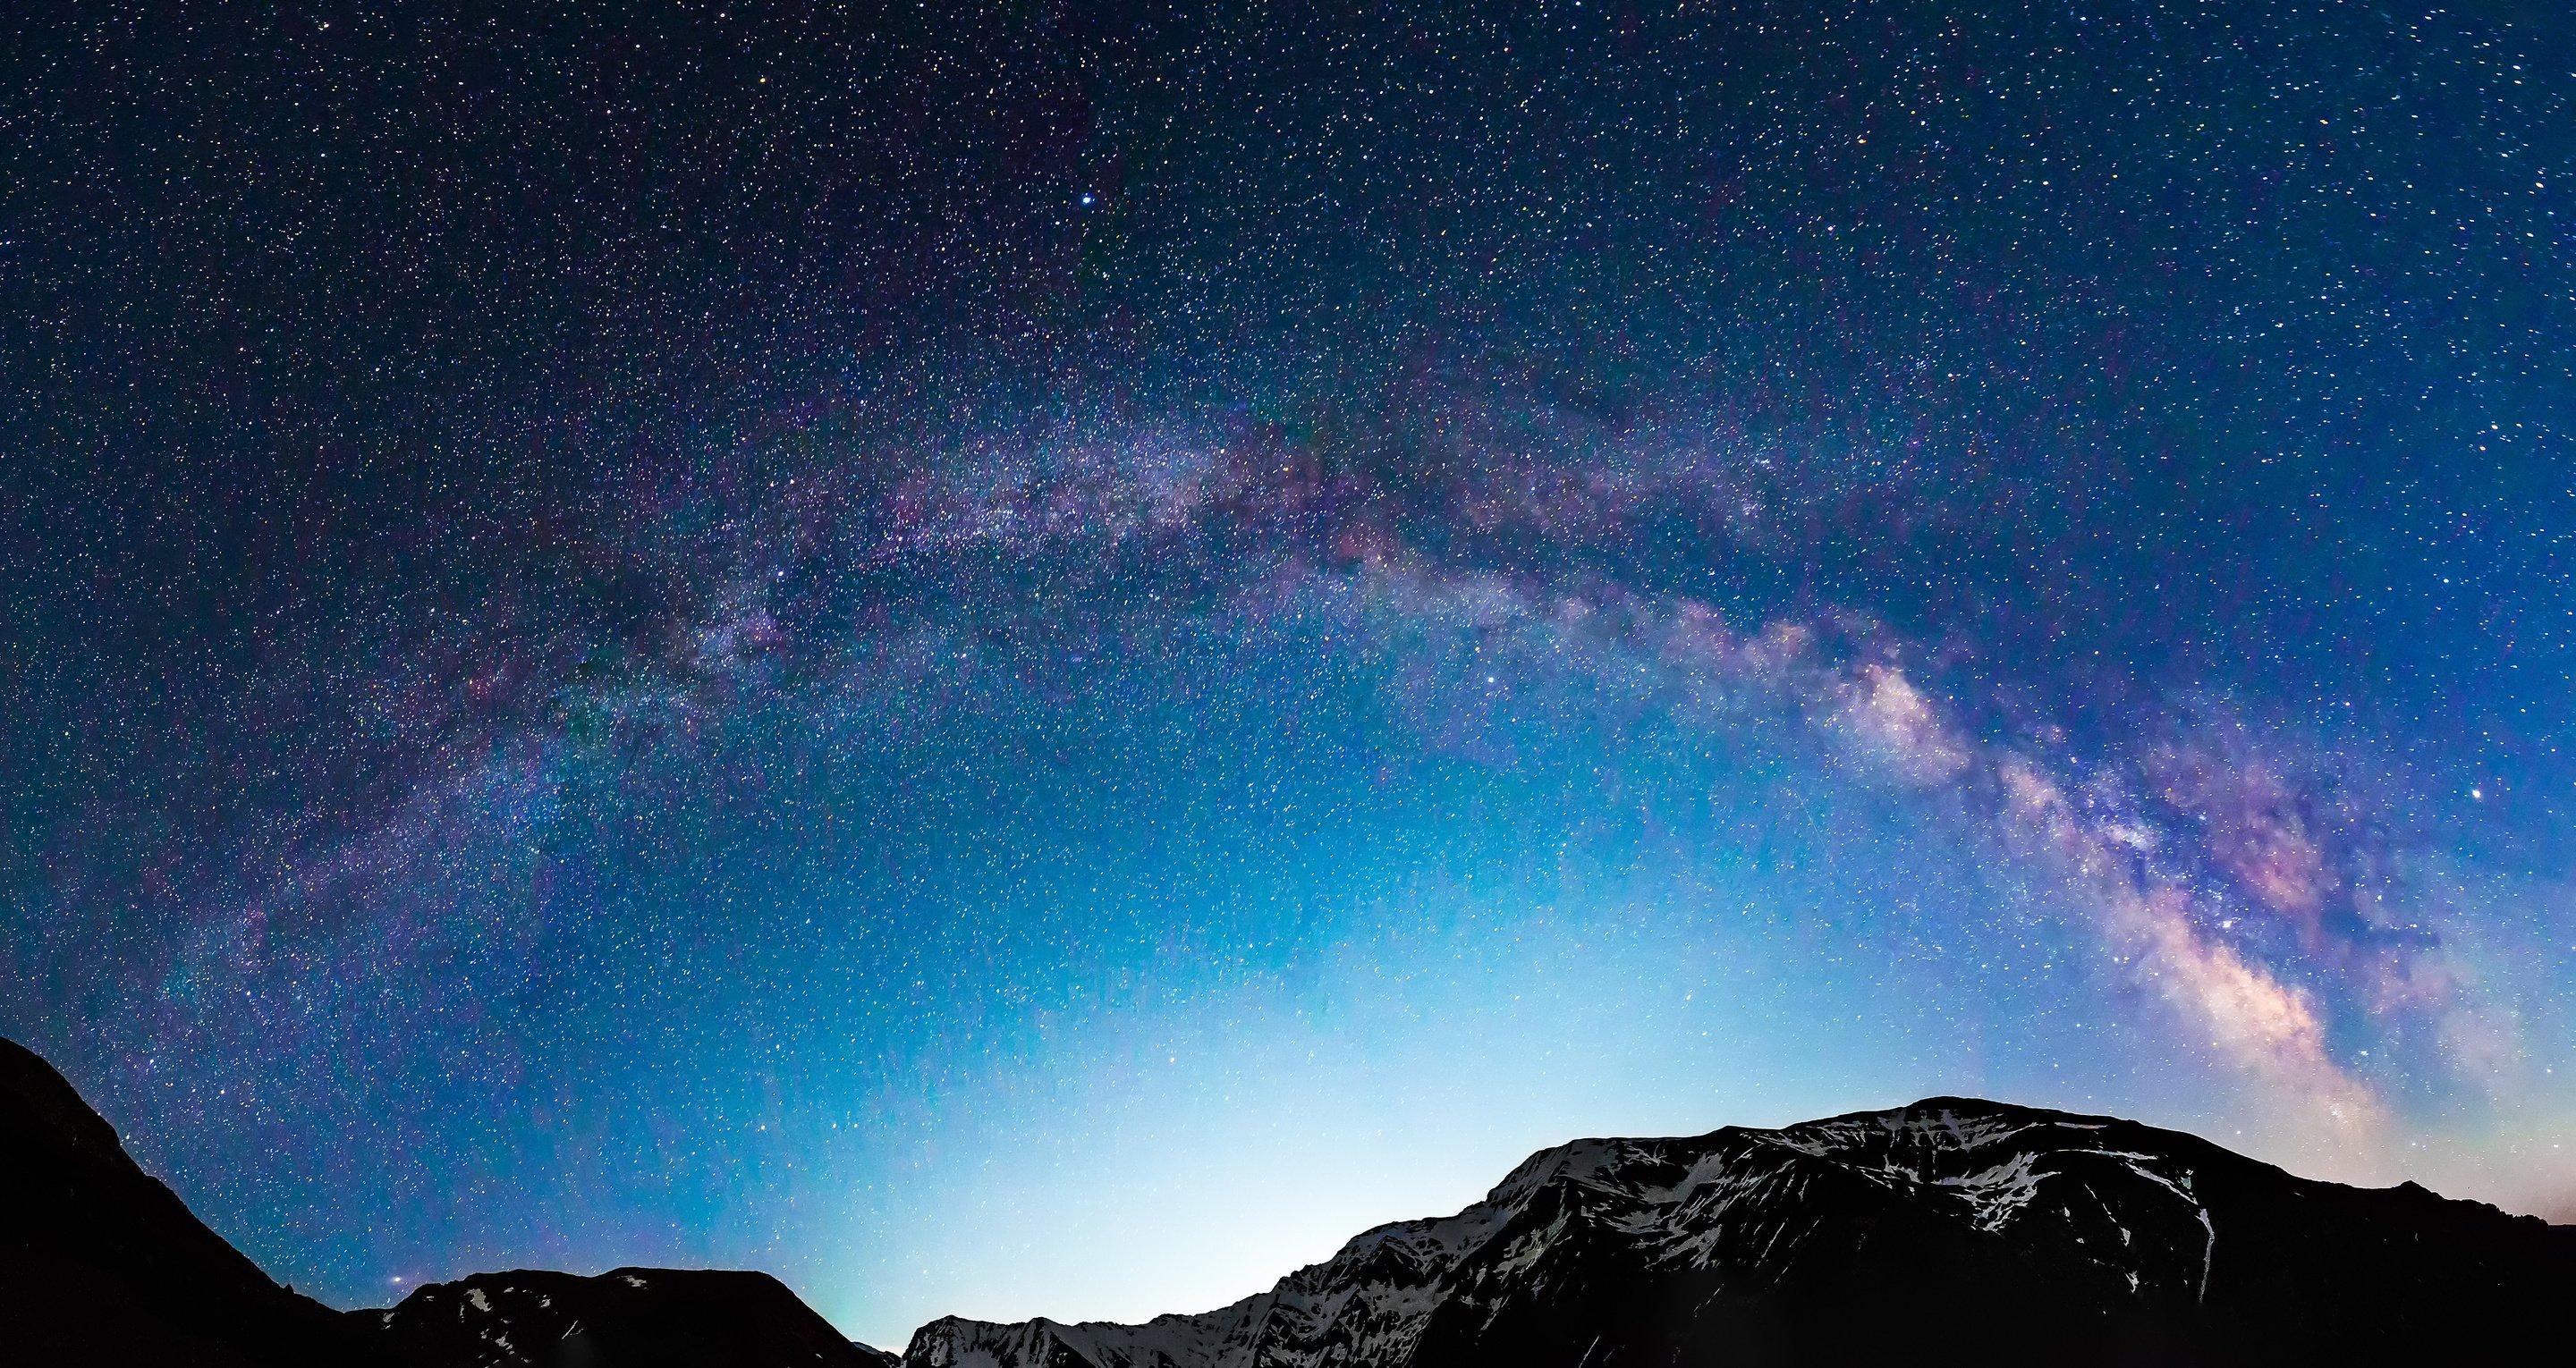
(1014, 661)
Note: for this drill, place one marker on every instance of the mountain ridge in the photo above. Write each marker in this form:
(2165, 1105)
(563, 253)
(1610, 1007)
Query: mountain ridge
(1951, 1229)
(1851, 1235)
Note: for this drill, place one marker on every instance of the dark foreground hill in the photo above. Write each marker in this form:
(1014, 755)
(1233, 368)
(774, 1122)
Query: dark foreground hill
(1953, 1230)
(102, 1266)
(100, 1263)
(1950, 1231)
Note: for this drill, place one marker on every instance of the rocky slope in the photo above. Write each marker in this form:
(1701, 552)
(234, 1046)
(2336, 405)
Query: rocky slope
(1950, 1230)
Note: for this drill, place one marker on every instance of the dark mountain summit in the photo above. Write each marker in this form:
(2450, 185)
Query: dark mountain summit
(632, 1317)
(1953, 1230)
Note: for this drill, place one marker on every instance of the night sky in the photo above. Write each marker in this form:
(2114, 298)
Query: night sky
(1019, 659)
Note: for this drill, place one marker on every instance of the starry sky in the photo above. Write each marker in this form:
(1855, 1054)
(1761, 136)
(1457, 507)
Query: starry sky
(1037, 658)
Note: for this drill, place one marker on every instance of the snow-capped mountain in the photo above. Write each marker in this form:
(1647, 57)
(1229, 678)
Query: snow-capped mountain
(640, 1317)
(1950, 1228)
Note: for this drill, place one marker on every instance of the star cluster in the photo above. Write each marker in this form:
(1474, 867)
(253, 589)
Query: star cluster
(1035, 659)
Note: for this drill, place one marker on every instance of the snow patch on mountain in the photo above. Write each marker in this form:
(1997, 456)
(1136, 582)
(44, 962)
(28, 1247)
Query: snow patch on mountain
(1735, 1198)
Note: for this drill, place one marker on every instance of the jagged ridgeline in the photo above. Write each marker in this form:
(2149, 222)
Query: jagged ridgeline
(1952, 1230)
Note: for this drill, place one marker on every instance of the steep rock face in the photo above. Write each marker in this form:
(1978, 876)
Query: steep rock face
(625, 1318)
(1951, 1229)
(102, 1264)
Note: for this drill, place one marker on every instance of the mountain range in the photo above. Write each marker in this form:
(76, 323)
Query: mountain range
(1950, 1230)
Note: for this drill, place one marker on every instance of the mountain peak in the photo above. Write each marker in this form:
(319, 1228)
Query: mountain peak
(637, 1317)
(2046, 1232)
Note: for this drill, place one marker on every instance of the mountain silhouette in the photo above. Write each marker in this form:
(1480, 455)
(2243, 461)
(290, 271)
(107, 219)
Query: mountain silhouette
(102, 1263)
(1953, 1230)
(627, 1317)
